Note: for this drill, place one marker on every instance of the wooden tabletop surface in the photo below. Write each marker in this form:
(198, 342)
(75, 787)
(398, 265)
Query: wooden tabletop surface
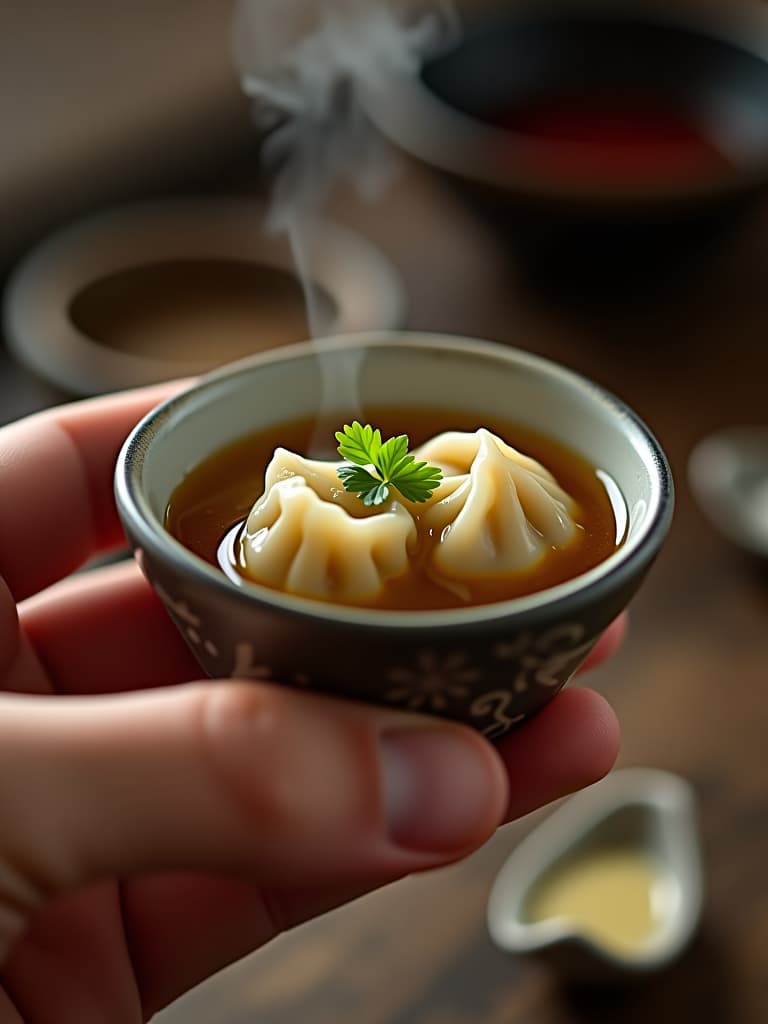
(689, 350)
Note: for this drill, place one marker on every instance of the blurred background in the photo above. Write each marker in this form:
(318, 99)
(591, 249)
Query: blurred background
(618, 223)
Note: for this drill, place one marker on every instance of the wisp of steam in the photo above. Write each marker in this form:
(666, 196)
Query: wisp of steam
(307, 65)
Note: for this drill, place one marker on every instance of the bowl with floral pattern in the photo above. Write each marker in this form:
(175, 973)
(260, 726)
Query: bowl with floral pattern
(491, 665)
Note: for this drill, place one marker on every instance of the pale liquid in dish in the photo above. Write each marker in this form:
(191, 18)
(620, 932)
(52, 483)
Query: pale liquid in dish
(194, 310)
(618, 897)
(211, 504)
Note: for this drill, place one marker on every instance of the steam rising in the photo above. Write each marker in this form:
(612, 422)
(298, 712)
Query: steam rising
(307, 65)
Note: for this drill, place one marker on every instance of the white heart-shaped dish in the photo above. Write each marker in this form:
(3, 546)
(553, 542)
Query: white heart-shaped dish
(641, 818)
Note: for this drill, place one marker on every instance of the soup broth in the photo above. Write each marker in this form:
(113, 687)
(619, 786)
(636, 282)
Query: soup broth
(218, 495)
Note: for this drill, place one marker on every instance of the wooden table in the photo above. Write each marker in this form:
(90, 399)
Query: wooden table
(690, 353)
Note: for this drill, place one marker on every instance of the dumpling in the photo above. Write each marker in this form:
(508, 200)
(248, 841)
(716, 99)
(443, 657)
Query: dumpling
(306, 535)
(496, 512)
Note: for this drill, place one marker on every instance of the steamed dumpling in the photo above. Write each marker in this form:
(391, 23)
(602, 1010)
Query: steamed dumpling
(306, 535)
(497, 511)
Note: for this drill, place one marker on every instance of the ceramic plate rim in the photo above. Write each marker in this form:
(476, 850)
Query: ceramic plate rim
(42, 337)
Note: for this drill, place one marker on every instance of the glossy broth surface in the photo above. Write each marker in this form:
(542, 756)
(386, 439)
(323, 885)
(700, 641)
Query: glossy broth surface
(218, 495)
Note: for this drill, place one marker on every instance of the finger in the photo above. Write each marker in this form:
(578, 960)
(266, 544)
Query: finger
(71, 967)
(8, 1012)
(106, 631)
(571, 743)
(56, 471)
(20, 668)
(216, 920)
(294, 789)
(608, 645)
(10, 638)
(182, 931)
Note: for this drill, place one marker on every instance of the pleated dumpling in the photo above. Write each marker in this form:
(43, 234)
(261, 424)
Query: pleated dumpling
(497, 511)
(306, 535)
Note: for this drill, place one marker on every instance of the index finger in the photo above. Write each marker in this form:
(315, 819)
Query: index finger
(56, 503)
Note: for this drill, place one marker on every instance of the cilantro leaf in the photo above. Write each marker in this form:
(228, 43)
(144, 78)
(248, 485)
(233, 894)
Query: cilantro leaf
(417, 481)
(377, 467)
(357, 479)
(377, 496)
(391, 453)
(359, 444)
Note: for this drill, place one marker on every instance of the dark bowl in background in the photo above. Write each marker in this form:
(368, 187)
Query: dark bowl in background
(598, 123)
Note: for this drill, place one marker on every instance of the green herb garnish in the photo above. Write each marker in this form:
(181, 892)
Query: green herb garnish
(377, 467)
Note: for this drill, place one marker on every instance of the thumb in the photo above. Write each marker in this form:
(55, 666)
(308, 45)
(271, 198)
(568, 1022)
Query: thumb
(293, 788)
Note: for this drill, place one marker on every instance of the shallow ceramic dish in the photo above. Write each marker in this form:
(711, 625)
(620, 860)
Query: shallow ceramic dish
(644, 810)
(707, 62)
(94, 307)
(490, 665)
(728, 474)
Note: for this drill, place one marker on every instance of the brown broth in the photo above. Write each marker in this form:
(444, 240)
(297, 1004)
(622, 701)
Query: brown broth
(219, 493)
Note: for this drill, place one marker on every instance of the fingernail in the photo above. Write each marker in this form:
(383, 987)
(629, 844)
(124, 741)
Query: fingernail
(441, 789)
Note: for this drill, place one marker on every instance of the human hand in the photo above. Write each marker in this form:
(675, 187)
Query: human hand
(155, 828)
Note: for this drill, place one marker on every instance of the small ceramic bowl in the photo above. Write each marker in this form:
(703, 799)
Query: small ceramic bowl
(491, 665)
(592, 111)
(157, 290)
(644, 812)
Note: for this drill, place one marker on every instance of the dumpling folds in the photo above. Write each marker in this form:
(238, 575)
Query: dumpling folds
(497, 511)
(306, 535)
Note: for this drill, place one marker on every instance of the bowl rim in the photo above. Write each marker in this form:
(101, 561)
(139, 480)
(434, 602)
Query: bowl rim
(611, 574)
(479, 152)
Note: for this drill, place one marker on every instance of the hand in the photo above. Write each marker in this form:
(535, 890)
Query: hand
(154, 828)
